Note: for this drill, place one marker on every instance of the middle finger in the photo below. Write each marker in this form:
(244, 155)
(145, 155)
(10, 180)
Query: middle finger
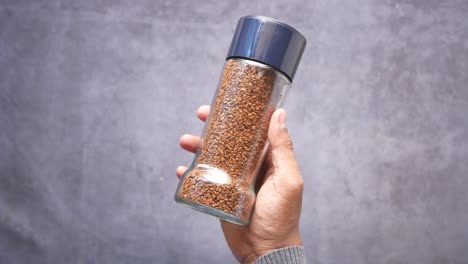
(190, 142)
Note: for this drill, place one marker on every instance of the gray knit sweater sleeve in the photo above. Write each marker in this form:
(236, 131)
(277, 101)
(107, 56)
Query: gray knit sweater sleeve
(286, 255)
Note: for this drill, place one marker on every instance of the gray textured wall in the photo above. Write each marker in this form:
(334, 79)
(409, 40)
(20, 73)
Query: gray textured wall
(94, 95)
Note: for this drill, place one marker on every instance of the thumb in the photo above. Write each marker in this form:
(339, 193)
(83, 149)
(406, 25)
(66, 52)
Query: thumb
(282, 154)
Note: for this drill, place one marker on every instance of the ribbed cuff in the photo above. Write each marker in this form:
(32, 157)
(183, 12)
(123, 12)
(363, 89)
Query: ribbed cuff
(286, 255)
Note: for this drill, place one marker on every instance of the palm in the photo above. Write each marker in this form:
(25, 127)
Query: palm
(270, 218)
(241, 238)
(274, 221)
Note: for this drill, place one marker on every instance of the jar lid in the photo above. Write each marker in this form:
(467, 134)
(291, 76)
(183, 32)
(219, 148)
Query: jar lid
(268, 41)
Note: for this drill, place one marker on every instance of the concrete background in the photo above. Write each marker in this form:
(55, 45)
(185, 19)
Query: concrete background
(94, 95)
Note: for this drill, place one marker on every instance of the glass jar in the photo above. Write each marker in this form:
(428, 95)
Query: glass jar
(260, 66)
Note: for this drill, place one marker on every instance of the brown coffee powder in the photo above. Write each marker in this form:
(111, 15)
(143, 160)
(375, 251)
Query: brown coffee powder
(234, 140)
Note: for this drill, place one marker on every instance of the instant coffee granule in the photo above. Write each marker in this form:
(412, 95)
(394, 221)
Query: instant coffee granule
(234, 141)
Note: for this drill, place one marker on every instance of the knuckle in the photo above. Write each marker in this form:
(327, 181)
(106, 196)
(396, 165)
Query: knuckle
(287, 142)
(298, 183)
(298, 186)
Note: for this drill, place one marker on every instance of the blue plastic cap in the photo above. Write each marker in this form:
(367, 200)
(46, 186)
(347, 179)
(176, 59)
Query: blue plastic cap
(268, 41)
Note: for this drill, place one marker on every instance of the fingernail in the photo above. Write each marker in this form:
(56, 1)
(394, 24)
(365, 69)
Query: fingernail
(282, 119)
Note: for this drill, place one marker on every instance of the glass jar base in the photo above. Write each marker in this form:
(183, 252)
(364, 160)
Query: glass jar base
(211, 211)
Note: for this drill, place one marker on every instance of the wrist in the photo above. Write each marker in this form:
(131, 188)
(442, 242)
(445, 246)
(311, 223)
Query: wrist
(291, 255)
(249, 259)
(264, 248)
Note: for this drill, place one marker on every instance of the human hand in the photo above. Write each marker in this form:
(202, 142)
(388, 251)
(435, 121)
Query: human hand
(275, 219)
